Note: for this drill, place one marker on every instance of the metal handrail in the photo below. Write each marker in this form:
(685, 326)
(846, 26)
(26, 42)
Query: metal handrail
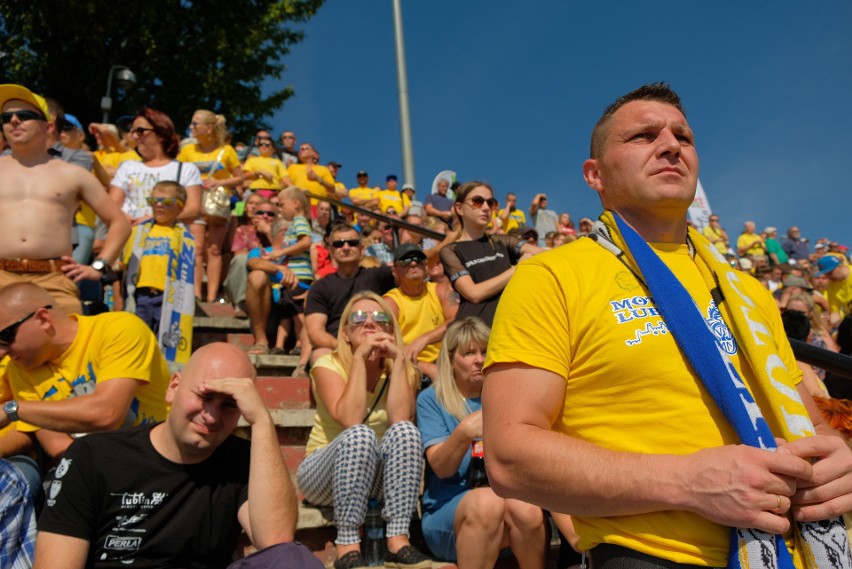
(838, 364)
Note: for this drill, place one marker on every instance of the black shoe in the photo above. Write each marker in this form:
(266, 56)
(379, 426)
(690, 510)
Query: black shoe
(352, 560)
(407, 558)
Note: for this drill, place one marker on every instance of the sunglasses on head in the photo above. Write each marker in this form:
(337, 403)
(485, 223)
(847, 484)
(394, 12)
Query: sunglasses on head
(167, 202)
(338, 243)
(477, 201)
(265, 212)
(23, 116)
(8, 334)
(360, 317)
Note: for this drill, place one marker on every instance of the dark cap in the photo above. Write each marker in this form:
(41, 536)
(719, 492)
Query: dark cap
(361, 173)
(408, 250)
(335, 164)
(391, 177)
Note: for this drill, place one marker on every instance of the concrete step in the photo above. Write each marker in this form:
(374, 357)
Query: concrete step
(283, 392)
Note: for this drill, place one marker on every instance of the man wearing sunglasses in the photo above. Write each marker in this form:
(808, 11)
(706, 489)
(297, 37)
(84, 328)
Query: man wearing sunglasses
(38, 199)
(73, 374)
(330, 294)
(423, 314)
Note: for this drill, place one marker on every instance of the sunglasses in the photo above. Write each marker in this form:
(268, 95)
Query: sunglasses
(264, 144)
(67, 127)
(140, 130)
(265, 212)
(167, 202)
(477, 201)
(338, 243)
(23, 116)
(359, 318)
(8, 334)
(411, 261)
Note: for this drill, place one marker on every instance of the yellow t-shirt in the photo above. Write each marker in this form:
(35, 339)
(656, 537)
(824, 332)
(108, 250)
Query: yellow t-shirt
(154, 264)
(395, 199)
(269, 163)
(840, 296)
(298, 174)
(418, 316)
(207, 162)
(363, 193)
(325, 428)
(627, 386)
(752, 243)
(516, 219)
(107, 346)
(711, 232)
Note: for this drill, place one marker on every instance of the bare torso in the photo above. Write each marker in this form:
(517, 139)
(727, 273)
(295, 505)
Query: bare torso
(37, 206)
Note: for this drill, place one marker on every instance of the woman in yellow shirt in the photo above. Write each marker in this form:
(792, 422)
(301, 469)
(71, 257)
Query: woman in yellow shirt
(219, 166)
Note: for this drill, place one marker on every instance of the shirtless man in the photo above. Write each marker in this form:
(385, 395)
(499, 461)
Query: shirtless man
(38, 199)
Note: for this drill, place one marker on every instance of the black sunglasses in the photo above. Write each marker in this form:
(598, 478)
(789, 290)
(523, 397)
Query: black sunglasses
(477, 201)
(7, 334)
(140, 130)
(338, 243)
(23, 116)
(264, 144)
(265, 212)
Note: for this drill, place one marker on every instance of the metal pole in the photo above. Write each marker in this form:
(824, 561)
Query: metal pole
(402, 87)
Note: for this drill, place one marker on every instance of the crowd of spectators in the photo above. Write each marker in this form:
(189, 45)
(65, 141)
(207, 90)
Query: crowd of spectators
(344, 279)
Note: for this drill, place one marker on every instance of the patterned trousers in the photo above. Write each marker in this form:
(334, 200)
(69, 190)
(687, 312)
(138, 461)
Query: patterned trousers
(355, 466)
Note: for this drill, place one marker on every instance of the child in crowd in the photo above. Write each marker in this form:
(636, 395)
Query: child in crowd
(294, 251)
(160, 261)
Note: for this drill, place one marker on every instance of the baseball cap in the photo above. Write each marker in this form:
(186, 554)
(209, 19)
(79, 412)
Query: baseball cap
(361, 173)
(771, 229)
(793, 280)
(407, 187)
(335, 164)
(827, 264)
(391, 177)
(74, 121)
(11, 91)
(408, 250)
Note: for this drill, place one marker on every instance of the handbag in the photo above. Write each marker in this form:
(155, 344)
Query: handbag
(217, 202)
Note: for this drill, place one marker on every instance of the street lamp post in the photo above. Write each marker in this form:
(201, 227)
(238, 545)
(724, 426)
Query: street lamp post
(125, 79)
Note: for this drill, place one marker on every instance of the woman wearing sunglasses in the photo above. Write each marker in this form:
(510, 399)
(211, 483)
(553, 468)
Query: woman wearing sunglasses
(157, 144)
(461, 523)
(363, 443)
(266, 171)
(478, 265)
(220, 167)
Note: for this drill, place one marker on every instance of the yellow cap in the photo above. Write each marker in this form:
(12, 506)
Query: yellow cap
(11, 91)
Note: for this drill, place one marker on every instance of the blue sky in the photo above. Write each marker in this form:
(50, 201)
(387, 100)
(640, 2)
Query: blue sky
(508, 92)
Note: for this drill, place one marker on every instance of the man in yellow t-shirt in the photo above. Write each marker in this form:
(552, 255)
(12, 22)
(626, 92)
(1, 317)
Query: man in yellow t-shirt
(716, 234)
(589, 405)
(749, 243)
(362, 194)
(422, 314)
(839, 285)
(512, 216)
(75, 374)
(310, 176)
(393, 201)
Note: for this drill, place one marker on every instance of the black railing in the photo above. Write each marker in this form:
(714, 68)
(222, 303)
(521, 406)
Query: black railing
(838, 364)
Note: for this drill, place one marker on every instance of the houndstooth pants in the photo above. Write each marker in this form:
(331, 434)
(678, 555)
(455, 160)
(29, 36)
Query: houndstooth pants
(355, 466)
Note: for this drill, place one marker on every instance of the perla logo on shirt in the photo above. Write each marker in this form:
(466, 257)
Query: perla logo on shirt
(640, 311)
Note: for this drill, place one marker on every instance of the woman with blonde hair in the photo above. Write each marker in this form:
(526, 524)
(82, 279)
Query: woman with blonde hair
(467, 525)
(363, 443)
(220, 167)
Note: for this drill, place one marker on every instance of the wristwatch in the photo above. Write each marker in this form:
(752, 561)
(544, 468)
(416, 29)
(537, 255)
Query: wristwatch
(11, 410)
(101, 265)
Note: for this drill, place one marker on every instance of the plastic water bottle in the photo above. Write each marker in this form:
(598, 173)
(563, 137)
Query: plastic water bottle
(374, 535)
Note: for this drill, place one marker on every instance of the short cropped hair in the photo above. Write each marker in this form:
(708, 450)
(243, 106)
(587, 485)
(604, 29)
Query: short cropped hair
(296, 193)
(660, 92)
(169, 186)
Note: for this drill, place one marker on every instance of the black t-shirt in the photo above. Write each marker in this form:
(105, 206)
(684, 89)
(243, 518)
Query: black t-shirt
(138, 509)
(481, 260)
(330, 294)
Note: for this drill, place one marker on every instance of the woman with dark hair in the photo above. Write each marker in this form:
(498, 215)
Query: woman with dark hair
(220, 167)
(157, 144)
(478, 265)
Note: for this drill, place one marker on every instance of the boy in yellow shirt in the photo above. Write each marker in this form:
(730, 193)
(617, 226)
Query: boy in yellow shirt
(160, 260)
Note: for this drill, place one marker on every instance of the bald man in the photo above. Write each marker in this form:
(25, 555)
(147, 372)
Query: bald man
(176, 494)
(38, 199)
(72, 373)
